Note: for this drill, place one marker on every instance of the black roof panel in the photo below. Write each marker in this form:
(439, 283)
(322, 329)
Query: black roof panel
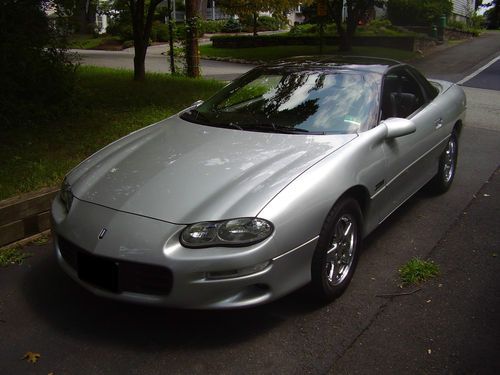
(362, 63)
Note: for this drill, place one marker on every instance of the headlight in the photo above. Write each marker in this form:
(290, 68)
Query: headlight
(235, 232)
(66, 194)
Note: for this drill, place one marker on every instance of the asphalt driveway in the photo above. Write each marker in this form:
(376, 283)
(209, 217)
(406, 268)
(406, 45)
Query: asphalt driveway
(451, 325)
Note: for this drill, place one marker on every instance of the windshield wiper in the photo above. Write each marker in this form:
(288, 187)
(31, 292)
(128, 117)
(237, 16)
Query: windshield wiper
(200, 118)
(197, 116)
(273, 128)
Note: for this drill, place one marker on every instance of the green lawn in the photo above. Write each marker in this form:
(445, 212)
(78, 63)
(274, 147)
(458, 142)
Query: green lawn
(280, 52)
(111, 105)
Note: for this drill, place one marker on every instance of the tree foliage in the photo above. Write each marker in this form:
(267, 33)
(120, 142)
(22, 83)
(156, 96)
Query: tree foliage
(252, 8)
(355, 12)
(37, 79)
(77, 15)
(492, 14)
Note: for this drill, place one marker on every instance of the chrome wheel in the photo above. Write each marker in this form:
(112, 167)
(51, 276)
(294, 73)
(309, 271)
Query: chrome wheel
(337, 251)
(340, 255)
(447, 167)
(449, 160)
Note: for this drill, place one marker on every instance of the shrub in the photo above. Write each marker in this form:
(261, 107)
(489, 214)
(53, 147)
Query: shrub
(458, 25)
(265, 23)
(477, 21)
(304, 29)
(312, 29)
(159, 32)
(417, 12)
(209, 26)
(128, 44)
(121, 27)
(231, 26)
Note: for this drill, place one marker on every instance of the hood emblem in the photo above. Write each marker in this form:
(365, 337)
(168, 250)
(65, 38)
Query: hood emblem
(102, 233)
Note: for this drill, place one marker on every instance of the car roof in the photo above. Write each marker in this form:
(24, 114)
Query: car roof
(360, 63)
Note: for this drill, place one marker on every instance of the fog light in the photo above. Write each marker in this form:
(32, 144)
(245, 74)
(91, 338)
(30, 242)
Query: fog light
(218, 275)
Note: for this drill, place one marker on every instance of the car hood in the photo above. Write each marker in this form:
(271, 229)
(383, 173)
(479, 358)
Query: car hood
(182, 172)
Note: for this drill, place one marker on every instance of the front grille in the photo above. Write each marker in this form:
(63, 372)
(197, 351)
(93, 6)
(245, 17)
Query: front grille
(116, 275)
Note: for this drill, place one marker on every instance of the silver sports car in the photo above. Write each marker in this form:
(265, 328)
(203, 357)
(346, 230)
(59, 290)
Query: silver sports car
(269, 185)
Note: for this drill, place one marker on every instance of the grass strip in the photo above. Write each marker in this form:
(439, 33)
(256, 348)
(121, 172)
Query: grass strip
(109, 105)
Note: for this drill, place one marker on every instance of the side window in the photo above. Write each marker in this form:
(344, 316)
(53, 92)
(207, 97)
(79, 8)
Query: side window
(430, 91)
(401, 95)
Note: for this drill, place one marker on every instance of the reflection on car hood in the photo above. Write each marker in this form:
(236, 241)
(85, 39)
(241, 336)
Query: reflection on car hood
(181, 172)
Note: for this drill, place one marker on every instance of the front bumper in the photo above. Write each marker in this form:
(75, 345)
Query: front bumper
(140, 260)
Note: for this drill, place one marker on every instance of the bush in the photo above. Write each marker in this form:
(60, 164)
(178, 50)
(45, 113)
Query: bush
(417, 12)
(231, 26)
(478, 21)
(38, 78)
(303, 29)
(457, 25)
(209, 26)
(159, 32)
(312, 29)
(265, 23)
(128, 44)
(121, 27)
(462, 26)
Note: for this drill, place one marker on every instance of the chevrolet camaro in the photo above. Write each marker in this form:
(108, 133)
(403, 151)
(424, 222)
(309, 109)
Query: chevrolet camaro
(269, 185)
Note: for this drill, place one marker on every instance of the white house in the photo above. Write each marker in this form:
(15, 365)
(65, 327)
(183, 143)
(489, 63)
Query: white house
(463, 9)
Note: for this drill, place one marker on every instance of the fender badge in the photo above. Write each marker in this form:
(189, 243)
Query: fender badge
(103, 232)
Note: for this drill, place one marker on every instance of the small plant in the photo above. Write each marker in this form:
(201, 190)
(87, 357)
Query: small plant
(41, 240)
(417, 270)
(12, 255)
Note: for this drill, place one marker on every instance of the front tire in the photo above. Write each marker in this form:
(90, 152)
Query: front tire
(336, 254)
(447, 166)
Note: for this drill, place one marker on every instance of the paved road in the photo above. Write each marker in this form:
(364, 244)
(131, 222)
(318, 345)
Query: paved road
(450, 326)
(157, 61)
(453, 64)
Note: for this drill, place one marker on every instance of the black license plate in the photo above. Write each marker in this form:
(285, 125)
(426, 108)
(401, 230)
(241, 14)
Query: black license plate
(100, 272)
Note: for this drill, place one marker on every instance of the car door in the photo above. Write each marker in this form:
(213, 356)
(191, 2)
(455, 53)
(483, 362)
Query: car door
(410, 162)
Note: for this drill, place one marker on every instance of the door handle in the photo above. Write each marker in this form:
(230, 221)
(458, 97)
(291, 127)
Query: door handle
(438, 123)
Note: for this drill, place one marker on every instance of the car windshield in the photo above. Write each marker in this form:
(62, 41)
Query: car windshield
(281, 101)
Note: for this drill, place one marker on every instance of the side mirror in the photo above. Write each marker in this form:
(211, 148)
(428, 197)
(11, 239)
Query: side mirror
(197, 103)
(398, 127)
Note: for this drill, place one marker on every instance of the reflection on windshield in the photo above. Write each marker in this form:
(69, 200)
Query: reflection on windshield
(312, 101)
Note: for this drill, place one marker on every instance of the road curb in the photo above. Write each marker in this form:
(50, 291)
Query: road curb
(25, 215)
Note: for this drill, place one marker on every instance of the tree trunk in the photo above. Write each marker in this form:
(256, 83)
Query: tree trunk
(85, 16)
(141, 29)
(255, 18)
(171, 37)
(344, 39)
(192, 55)
(139, 60)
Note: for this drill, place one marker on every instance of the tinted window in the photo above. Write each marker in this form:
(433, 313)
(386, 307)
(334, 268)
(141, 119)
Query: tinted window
(314, 101)
(401, 95)
(430, 91)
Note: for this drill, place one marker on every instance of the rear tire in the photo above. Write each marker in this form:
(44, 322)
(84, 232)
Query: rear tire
(337, 251)
(447, 166)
